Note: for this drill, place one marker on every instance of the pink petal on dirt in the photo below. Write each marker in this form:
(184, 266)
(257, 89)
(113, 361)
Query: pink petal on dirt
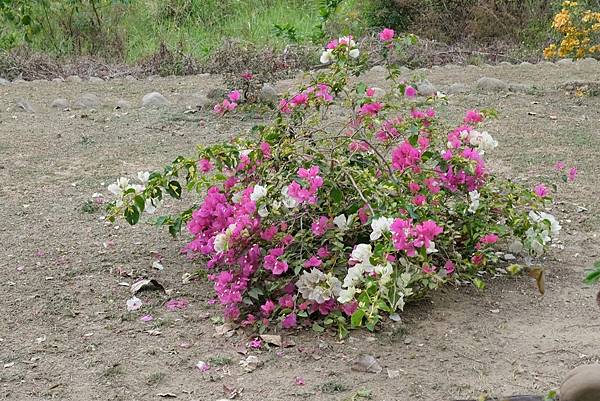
(299, 381)
(176, 304)
(147, 318)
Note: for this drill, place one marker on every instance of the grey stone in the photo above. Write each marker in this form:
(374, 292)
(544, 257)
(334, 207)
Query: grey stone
(19, 81)
(457, 88)
(505, 64)
(95, 80)
(122, 104)
(87, 101)
(587, 61)
(24, 105)
(58, 79)
(565, 62)
(491, 84)
(526, 64)
(581, 384)
(130, 78)
(426, 88)
(74, 78)
(523, 88)
(60, 104)
(154, 99)
(217, 94)
(379, 93)
(196, 101)
(378, 69)
(4, 82)
(268, 94)
(153, 77)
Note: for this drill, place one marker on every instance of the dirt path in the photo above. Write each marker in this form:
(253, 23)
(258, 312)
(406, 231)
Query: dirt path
(65, 333)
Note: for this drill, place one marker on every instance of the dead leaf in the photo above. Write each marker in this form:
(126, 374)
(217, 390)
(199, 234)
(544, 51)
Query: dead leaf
(146, 285)
(367, 363)
(224, 330)
(272, 339)
(250, 363)
(538, 274)
(232, 392)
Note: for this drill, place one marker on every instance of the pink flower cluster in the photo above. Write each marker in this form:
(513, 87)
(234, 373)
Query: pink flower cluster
(229, 104)
(407, 156)
(407, 237)
(320, 92)
(307, 193)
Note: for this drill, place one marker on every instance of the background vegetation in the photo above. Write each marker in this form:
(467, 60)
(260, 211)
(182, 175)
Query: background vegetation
(133, 30)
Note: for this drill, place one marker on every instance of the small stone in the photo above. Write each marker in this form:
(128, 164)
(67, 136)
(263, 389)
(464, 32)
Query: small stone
(526, 64)
(122, 104)
(58, 79)
(154, 99)
(95, 80)
(19, 81)
(130, 78)
(491, 84)
(268, 94)
(217, 94)
(505, 64)
(378, 69)
(565, 62)
(24, 105)
(87, 101)
(74, 78)
(426, 88)
(60, 104)
(3, 82)
(367, 363)
(520, 88)
(581, 384)
(457, 88)
(379, 93)
(588, 61)
(197, 101)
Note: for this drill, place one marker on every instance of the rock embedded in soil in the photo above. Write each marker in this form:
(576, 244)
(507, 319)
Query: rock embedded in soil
(520, 88)
(74, 78)
(565, 62)
(581, 384)
(19, 81)
(217, 94)
(154, 99)
(58, 79)
(268, 94)
(60, 104)
(426, 88)
(87, 101)
(122, 104)
(378, 69)
(3, 82)
(95, 80)
(24, 105)
(491, 84)
(457, 88)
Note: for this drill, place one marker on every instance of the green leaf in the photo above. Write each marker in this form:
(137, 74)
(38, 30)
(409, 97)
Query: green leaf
(140, 202)
(593, 276)
(174, 189)
(361, 88)
(357, 317)
(478, 283)
(132, 215)
(337, 195)
(317, 328)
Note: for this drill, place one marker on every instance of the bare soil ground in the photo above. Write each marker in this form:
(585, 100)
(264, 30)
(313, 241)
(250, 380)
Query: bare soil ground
(65, 333)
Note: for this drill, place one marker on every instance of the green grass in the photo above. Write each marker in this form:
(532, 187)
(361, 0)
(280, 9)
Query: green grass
(203, 25)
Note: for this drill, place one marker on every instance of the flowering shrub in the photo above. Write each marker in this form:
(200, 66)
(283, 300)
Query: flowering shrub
(579, 30)
(336, 221)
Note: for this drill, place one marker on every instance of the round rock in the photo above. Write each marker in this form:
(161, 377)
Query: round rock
(60, 104)
(565, 62)
(491, 84)
(95, 80)
(268, 94)
(457, 88)
(73, 78)
(154, 99)
(581, 384)
(426, 88)
(58, 79)
(87, 101)
(3, 82)
(24, 105)
(379, 69)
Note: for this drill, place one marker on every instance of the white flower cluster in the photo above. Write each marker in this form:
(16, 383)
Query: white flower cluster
(317, 286)
(327, 56)
(544, 228)
(481, 140)
(118, 189)
(361, 256)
